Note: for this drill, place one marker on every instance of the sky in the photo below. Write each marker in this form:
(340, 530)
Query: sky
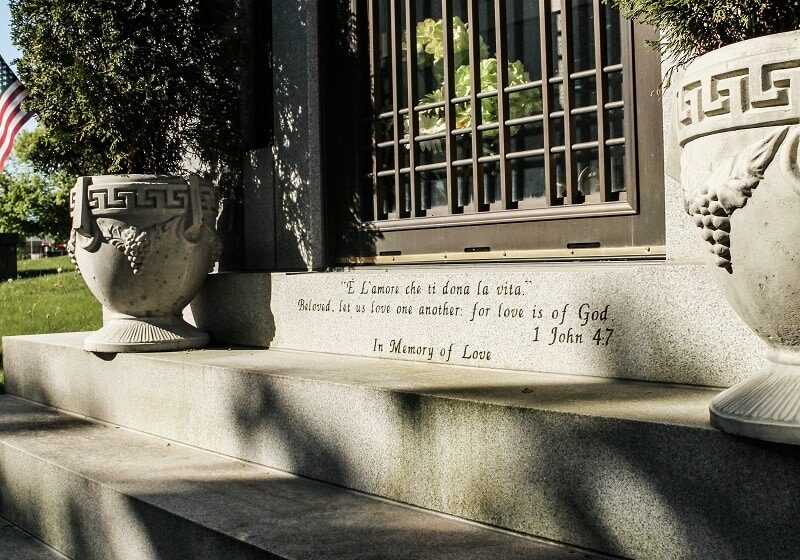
(8, 51)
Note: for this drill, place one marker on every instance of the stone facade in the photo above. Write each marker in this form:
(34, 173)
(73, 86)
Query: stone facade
(439, 386)
(653, 320)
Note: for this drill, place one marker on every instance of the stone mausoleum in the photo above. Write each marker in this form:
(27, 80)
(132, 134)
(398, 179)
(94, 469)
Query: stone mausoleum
(448, 321)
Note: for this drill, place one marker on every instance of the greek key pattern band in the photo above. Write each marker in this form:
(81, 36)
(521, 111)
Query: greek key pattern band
(763, 93)
(166, 196)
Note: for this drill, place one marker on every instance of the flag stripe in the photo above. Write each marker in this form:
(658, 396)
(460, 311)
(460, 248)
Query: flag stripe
(11, 108)
(9, 129)
(6, 132)
(12, 91)
(12, 116)
(7, 136)
(19, 124)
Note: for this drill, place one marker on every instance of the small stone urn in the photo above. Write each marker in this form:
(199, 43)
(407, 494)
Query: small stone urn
(738, 110)
(144, 245)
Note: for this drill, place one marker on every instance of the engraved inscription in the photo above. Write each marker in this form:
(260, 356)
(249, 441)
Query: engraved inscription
(475, 309)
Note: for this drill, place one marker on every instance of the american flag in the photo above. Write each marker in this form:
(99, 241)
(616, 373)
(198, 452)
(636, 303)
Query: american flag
(12, 115)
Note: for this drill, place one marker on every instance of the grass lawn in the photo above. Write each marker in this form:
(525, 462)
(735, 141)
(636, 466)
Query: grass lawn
(44, 300)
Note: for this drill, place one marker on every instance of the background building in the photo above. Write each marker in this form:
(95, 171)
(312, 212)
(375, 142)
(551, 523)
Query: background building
(553, 340)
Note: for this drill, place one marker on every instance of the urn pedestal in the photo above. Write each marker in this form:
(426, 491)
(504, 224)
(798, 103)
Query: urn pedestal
(144, 245)
(737, 121)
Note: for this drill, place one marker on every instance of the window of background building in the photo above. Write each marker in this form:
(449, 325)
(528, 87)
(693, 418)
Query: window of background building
(511, 129)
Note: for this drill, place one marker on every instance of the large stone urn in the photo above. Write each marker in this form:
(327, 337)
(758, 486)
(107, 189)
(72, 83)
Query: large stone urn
(738, 110)
(144, 245)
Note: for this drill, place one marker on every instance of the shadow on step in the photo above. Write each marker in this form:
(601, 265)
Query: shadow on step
(95, 491)
(638, 489)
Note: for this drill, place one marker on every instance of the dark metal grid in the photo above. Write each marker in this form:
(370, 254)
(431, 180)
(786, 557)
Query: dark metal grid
(478, 183)
(568, 96)
(545, 38)
(505, 202)
(449, 111)
(413, 116)
(396, 34)
(410, 139)
(600, 85)
(374, 68)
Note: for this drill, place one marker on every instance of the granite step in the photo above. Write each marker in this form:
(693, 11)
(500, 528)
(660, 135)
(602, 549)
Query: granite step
(628, 468)
(18, 545)
(98, 491)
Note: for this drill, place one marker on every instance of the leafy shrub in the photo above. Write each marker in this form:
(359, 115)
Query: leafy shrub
(130, 86)
(690, 28)
(33, 203)
(430, 53)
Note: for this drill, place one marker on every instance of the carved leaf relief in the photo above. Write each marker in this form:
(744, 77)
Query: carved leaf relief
(712, 200)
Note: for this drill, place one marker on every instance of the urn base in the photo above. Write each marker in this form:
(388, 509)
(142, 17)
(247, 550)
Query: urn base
(157, 334)
(766, 407)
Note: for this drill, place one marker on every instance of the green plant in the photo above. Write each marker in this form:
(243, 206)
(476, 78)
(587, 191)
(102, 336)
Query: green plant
(33, 203)
(131, 86)
(430, 52)
(49, 297)
(690, 28)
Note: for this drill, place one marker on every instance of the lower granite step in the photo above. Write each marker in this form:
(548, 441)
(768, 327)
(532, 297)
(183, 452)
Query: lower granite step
(18, 545)
(96, 491)
(632, 469)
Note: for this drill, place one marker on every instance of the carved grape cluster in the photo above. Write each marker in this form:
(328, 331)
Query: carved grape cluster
(71, 246)
(730, 185)
(711, 217)
(133, 243)
(711, 210)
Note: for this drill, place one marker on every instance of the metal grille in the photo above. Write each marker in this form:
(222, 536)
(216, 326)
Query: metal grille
(499, 106)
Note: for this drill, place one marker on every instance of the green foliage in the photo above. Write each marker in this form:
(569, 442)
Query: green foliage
(41, 267)
(690, 28)
(54, 302)
(430, 45)
(33, 203)
(430, 52)
(131, 86)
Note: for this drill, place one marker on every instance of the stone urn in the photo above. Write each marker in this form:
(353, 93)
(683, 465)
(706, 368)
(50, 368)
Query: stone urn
(144, 245)
(737, 116)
